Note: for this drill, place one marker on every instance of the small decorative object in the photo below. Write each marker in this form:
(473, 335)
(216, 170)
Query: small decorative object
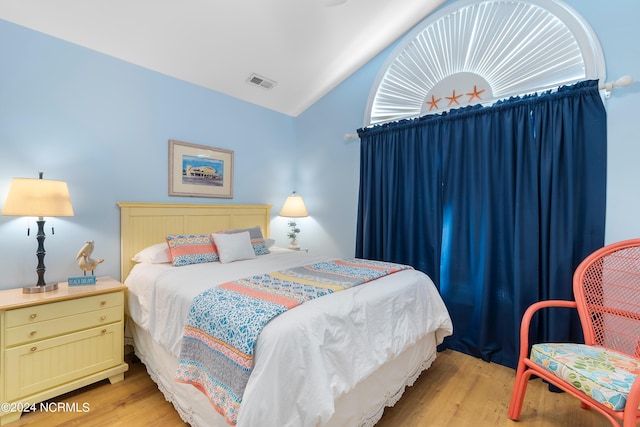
(81, 280)
(200, 171)
(85, 262)
(294, 207)
(292, 234)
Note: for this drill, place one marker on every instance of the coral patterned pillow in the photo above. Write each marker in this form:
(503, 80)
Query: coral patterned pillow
(188, 249)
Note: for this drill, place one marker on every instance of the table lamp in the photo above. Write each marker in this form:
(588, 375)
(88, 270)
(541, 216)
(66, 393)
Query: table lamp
(293, 208)
(38, 197)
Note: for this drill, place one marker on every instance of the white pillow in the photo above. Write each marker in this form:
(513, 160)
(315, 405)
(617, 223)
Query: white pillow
(234, 246)
(269, 242)
(154, 254)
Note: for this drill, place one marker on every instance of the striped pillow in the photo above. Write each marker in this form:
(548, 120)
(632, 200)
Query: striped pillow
(188, 249)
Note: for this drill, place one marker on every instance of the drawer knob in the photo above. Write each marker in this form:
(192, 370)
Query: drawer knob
(33, 316)
(33, 333)
(103, 303)
(34, 348)
(103, 331)
(103, 317)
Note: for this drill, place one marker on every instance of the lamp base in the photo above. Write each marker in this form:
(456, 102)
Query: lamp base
(293, 245)
(39, 289)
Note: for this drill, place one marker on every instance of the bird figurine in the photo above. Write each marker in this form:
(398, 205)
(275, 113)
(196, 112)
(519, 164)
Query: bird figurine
(86, 263)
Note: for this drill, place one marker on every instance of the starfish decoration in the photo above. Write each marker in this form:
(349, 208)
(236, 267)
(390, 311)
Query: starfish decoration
(453, 98)
(433, 103)
(475, 94)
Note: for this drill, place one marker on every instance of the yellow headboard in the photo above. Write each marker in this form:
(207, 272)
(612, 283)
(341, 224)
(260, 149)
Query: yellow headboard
(143, 224)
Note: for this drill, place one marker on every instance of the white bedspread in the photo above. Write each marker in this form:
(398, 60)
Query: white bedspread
(310, 355)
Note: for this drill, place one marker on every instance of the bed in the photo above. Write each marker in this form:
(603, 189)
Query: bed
(337, 360)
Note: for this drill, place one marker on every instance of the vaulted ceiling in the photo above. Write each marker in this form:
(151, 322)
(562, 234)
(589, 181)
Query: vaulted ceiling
(304, 47)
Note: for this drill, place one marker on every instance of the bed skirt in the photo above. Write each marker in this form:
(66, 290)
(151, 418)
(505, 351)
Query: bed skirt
(362, 406)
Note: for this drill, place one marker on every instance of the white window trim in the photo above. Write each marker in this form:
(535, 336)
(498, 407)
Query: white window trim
(430, 62)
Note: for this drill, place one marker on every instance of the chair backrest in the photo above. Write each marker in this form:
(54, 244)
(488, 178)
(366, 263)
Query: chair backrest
(606, 286)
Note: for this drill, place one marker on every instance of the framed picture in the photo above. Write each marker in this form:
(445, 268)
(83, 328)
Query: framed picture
(200, 171)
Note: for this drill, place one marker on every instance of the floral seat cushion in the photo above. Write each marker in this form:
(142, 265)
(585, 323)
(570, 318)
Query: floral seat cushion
(604, 375)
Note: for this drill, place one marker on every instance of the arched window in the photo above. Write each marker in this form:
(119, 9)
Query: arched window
(481, 51)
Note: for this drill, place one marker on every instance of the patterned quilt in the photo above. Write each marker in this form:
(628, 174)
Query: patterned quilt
(224, 322)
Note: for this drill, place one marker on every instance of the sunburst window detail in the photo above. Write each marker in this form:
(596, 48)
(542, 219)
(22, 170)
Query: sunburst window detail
(481, 51)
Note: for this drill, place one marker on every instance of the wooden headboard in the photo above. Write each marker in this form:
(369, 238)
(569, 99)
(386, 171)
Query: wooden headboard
(143, 224)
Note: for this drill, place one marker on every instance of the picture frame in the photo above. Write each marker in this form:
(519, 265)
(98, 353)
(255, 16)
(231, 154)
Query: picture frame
(200, 171)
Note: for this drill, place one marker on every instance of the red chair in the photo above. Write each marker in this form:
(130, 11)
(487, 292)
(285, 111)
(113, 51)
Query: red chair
(603, 372)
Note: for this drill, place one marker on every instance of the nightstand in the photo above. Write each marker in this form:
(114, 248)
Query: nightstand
(55, 342)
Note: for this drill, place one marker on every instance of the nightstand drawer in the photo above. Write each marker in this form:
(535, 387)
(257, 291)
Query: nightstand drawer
(50, 363)
(54, 310)
(61, 325)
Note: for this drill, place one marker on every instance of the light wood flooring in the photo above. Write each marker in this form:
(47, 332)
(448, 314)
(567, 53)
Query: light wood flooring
(458, 390)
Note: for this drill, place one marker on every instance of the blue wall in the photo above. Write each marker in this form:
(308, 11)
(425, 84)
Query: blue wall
(102, 125)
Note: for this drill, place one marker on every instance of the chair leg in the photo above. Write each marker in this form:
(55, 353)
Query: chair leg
(519, 390)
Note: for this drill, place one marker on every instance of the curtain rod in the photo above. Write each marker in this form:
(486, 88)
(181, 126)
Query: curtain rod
(607, 87)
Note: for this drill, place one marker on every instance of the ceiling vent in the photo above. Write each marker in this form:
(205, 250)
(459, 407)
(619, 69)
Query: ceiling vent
(263, 82)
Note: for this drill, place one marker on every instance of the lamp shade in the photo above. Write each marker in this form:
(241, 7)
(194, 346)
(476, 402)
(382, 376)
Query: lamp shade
(294, 207)
(37, 197)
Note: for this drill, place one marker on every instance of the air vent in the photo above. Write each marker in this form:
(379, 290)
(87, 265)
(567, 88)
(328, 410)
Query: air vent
(263, 82)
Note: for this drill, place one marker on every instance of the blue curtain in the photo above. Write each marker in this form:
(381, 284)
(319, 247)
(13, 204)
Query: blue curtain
(498, 205)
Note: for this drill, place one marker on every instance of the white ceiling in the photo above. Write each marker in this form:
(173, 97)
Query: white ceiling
(307, 47)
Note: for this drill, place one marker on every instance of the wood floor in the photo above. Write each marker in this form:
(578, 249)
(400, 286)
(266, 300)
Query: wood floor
(458, 390)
